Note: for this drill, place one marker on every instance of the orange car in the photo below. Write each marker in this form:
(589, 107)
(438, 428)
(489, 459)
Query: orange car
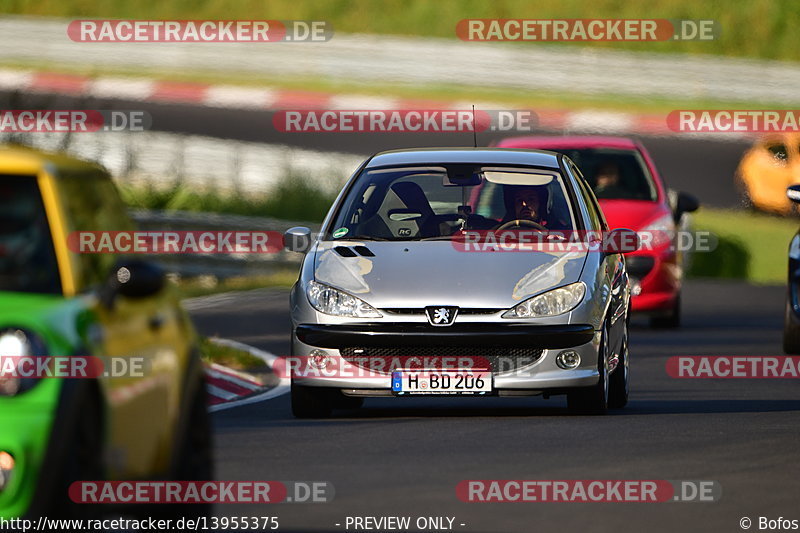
(767, 169)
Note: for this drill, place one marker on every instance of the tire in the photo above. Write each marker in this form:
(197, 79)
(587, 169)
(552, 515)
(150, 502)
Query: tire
(593, 400)
(196, 449)
(618, 381)
(194, 462)
(311, 402)
(83, 461)
(791, 331)
(672, 320)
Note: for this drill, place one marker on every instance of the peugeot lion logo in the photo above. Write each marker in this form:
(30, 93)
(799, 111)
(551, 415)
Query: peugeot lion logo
(441, 316)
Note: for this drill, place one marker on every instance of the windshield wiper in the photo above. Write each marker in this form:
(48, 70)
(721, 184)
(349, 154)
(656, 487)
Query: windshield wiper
(438, 238)
(361, 238)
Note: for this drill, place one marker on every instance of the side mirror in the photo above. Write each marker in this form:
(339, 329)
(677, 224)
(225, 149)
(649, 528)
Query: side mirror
(685, 203)
(297, 239)
(133, 278)
(793, 193)
(621, 241)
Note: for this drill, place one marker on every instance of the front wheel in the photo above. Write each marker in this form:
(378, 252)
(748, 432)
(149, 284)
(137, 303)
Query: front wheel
(671, 320)
(618, 381)
(791, 330)
(311, 402)
(196, 449)
(194, 460)
(83, 460)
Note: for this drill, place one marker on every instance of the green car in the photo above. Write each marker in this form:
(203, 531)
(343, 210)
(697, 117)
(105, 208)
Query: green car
(120, 425)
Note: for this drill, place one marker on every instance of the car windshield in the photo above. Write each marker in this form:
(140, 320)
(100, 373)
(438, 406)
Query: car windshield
(27, 260)
(615, 174)
(416, 203)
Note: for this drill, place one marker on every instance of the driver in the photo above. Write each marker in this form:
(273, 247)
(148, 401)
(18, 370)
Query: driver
(607, 181)
(526, 202)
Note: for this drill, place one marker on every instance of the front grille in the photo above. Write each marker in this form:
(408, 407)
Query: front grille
(639, 266)
(499, 359)
(461, 310)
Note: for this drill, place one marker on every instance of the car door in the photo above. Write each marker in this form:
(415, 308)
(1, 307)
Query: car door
(140, 339)
(613, 267)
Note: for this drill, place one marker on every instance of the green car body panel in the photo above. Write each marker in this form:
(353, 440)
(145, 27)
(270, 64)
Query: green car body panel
(27, 419)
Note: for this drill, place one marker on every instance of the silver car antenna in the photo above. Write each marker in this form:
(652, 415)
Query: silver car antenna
(474, 128)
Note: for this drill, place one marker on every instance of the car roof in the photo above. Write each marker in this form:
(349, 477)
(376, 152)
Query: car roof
(23, 160)
(576, 142)
(479, 156)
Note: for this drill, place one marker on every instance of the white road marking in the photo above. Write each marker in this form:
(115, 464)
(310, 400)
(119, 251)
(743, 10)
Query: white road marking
(15, 79)
(282, 388)
(239, 97)
(129, 88)
(213, 390)
(231, 378)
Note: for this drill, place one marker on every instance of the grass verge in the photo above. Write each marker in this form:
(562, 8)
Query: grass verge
(752, 246)
(293, 199)
(748, 28)
(227, 356)
(207, 285)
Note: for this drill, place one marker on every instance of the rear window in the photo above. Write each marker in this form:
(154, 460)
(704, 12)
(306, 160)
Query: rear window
(615, 174)
(27, 259)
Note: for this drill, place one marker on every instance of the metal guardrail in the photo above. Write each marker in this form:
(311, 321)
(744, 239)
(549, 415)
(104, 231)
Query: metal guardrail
(219, 265)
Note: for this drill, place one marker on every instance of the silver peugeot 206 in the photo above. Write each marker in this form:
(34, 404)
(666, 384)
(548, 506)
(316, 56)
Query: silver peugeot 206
(458, 272)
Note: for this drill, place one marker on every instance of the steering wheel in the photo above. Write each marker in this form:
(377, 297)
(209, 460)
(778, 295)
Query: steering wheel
(519, 223)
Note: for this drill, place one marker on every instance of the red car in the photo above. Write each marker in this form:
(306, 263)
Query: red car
(632, 195)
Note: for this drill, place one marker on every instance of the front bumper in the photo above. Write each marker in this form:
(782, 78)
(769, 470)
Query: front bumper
(466, 335)
(541, 376)
(658, 276)
(25, 426)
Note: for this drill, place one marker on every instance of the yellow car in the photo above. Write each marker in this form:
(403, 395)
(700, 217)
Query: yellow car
(148, 423)
(767, 169)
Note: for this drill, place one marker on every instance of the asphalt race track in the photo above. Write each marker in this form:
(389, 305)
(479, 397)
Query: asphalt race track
(404, 458)
(704, 168)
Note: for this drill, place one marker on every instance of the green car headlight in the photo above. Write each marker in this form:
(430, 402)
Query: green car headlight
(330, 301)
(14, 345)
(550, 303)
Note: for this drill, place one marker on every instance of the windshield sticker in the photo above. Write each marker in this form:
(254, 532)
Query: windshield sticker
(341, 232)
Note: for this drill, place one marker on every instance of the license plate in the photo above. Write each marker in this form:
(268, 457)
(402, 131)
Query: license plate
(441, 381)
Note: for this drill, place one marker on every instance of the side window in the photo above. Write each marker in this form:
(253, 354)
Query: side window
(92, 203)
(595, 213)
(27, 258)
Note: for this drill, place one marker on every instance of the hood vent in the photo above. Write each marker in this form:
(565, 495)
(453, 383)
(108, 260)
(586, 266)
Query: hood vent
(364, 251)
(344, 251)
(355, 251)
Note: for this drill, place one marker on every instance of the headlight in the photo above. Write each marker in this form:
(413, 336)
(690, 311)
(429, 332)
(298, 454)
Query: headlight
(550, 303)
(16, 343)
(658, 232)
(332, 301)
(6, 468)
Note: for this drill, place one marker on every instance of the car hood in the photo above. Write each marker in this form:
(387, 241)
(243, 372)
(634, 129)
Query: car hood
(632, 214)
(419, 274)
(54, 318)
